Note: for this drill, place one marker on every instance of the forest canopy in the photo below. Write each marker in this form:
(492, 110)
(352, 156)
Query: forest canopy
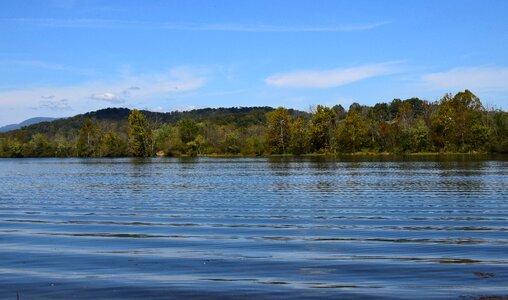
(455, 123)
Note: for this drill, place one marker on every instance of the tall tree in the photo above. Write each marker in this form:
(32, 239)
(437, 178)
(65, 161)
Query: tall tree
(352, 132)
(140, 135)
(454, 120)
(299, 137)
(404, 123)
(188, 130)
(88, 139)
(322, 129)
(278, 131)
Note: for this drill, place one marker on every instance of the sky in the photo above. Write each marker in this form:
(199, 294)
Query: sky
(59, 58)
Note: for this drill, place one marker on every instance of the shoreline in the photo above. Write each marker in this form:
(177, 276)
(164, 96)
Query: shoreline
(321, 155)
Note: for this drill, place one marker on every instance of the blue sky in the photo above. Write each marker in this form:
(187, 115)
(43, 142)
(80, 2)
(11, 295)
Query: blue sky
(60, 58)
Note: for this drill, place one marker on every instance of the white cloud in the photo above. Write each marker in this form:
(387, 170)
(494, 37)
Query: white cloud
(330, 78)
(108, 97)
(232, 27)
(86, 96)
(487, 79)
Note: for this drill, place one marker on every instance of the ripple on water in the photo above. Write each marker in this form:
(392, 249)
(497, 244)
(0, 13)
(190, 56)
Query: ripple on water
(271, 228)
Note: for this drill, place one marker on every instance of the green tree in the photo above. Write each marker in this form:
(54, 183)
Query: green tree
(405, 116)
(278, 131)
(232, 141)
(299, 134)
(167, 140)
(419, 136)
(253, 145)
(88, 139)
(404, 122)
(499, 131)
(394, 108)
(140, 135)
(194, 147)
(62, 147)
(322, 129)
(386, 137)
(188, 130)
(453, 122)
(4, 148)
(480, 135)
(352, 132)
(113, 146)
(443, 123)
(38, 146)
(380, 112)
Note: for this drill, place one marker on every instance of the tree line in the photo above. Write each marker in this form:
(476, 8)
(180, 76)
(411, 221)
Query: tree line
(455, 123)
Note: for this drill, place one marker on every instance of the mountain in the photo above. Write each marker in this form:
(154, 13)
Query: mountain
(25, 123)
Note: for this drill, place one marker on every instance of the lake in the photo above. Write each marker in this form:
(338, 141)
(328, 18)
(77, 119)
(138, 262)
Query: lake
(225, 228)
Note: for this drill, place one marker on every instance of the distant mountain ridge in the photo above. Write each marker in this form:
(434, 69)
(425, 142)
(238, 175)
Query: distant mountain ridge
(28, 122)
(115, 119)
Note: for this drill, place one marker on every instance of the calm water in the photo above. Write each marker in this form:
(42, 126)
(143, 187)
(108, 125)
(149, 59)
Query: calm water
(256, 228)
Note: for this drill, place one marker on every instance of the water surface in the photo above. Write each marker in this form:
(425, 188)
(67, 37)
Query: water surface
(254, 227)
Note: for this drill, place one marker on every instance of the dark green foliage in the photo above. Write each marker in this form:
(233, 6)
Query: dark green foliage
(188, 130)
(498, 125)
(340, 111)
(394, 107)
(380, 112)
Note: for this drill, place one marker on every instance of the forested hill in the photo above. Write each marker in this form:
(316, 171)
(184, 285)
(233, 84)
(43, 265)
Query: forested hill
(455, 123)
(116, 119)
(25, 123)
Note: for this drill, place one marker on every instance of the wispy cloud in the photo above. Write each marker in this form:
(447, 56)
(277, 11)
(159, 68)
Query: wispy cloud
(331, 78)
(487, 79)
(232, 27)
(128, 91)
(53, 105)
(92, 95)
